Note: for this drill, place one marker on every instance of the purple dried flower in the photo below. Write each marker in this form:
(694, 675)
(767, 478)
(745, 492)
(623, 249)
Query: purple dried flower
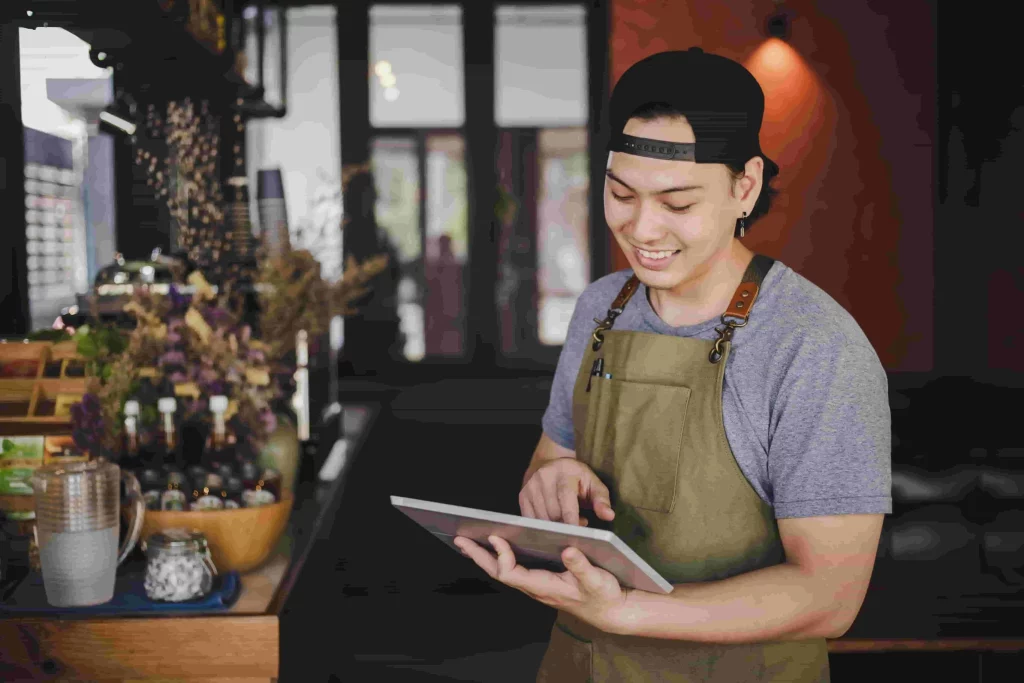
(256, 356)
(179, 301)
(87, 423)
(177, 377)
(207, 375)
(216, 317)
(214, 388)
(172, 358)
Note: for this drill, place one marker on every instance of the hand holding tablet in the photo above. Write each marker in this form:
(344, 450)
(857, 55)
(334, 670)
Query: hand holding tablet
(535, 543)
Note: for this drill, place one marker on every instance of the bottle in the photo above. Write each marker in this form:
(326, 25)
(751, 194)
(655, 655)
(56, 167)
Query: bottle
(219, 449)
(252, 498)
(167, 434)
(249, 473)
(254, 494)
(173, 496)
(232, 494)
(131, 458)
(270, 480)
(226, 470)
(196, 475)
(209, 496)
(152, 483)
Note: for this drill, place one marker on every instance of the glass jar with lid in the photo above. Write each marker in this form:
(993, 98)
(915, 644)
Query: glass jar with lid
(179, 565)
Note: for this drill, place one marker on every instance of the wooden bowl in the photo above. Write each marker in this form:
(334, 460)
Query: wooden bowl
(240, 539)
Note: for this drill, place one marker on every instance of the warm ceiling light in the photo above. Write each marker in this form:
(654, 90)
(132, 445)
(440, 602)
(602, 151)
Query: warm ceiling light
(382, 68)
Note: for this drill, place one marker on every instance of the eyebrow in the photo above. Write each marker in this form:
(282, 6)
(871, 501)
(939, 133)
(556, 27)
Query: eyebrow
(683, 188)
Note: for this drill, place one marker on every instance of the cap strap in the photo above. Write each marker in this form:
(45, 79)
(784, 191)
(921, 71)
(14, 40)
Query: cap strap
(714, 150)
(657, 149)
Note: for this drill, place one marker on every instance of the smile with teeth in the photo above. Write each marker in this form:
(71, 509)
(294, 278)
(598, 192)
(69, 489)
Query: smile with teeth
(655, 255)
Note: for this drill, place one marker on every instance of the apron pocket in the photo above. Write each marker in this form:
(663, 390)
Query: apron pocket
(643, 441)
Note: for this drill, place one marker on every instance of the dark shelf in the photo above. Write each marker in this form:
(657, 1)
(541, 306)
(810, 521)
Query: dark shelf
(145, 41)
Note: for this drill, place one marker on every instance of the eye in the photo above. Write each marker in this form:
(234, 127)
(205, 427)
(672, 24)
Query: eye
(678, 209)
(621, 198)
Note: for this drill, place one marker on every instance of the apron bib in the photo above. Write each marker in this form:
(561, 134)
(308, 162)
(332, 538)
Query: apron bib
(647, 418)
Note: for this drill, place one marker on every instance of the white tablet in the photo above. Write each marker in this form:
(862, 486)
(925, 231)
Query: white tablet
(537, 543)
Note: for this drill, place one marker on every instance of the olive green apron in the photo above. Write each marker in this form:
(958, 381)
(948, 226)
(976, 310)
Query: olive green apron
(647, 417)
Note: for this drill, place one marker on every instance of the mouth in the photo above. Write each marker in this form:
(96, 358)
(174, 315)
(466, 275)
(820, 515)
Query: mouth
(655, 260)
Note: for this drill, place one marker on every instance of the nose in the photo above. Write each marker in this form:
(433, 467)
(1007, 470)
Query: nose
(646, 225)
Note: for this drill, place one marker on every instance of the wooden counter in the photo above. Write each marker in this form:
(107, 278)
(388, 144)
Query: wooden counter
(240, 644)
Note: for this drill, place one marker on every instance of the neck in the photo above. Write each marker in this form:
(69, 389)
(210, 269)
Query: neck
(706, 293)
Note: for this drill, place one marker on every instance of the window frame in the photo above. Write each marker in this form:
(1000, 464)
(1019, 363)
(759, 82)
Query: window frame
(480, 132)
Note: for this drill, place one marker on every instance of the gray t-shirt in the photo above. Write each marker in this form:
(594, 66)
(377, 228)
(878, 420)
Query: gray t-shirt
(805, 399)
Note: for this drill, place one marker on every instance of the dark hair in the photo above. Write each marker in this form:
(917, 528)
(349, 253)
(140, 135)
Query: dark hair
(657, 110)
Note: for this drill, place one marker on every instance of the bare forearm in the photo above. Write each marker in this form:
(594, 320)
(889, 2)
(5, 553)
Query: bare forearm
(772, 604)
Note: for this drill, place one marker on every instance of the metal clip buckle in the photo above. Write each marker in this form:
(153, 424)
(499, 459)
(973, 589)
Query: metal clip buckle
(724, 335)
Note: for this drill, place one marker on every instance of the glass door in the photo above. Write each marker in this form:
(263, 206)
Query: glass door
(542, 111)
(481, 173)
(418, 161)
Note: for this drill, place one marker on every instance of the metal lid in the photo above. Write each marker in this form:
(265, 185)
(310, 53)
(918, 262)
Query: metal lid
(218, 404)
(167, 404)
(178, 539)
(131, 408)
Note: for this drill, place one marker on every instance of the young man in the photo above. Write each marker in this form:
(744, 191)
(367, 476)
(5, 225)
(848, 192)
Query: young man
(725, 416)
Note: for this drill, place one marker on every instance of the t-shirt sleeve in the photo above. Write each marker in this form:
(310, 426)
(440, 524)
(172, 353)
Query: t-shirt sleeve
(830, 433)
(557, 420)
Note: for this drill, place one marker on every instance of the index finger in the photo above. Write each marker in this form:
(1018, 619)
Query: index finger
(568, 499)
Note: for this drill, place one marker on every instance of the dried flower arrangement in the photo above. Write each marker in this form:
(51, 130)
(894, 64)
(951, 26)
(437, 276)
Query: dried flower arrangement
(196, 347)
(294, 296)
(193, 347)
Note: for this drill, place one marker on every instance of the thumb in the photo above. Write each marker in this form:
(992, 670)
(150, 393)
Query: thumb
(600, 498)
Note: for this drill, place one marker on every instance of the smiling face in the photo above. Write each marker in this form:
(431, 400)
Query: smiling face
(674, 220)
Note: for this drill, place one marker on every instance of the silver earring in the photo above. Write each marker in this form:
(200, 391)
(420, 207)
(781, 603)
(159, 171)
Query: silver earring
(743, 224)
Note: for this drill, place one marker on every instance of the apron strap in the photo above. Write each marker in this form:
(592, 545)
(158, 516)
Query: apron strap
(742, 301)
(739, 307)
(746, 293)
(619, 305)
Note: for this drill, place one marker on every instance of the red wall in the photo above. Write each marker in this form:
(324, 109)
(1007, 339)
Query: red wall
(850, 120)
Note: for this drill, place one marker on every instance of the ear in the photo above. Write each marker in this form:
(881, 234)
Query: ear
(748, 187)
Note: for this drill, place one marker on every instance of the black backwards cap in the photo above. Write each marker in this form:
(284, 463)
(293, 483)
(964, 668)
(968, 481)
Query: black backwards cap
(721, 100)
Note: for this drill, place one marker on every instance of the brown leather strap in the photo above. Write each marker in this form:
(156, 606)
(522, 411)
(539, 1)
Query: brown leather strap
(619, 305)
(742, 302)
(626, 293)
(746, 293)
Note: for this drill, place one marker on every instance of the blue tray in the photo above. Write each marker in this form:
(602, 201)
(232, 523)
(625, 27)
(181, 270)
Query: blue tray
(129, 596)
